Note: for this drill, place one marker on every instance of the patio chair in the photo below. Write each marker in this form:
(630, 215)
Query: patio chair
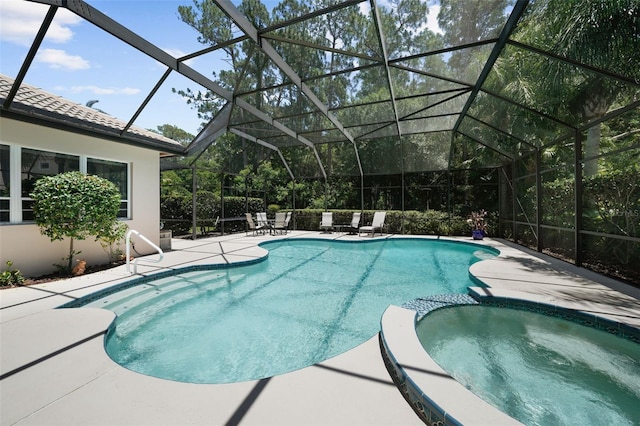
(355, 223)
(376, 225)
(286, 222)
(327, 222)
(251, 225)
(263, 222)
(279, 225)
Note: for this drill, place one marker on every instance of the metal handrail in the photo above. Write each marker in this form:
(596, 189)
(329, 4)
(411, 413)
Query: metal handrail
(128, 250)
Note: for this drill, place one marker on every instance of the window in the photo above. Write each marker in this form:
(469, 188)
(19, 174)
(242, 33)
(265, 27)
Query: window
(20, 169)
(115, 172)
(5, 179)
(31, 162)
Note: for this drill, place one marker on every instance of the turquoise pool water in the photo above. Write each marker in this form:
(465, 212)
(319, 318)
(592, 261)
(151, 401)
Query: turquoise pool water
(308, 301)
(538, 369)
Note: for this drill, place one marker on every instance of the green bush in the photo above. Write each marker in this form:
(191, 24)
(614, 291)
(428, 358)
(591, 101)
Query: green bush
(272, 209)
(75, 206)
(11, 277)
(207, 209)
(235, 206)
(432, 222)
(175, 213)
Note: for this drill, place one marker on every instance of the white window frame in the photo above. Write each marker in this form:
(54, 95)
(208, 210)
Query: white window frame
(15, 180)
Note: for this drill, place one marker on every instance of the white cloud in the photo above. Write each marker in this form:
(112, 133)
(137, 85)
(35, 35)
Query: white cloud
(96, 90)
(20, 21)
(59, 31)
(60, 59)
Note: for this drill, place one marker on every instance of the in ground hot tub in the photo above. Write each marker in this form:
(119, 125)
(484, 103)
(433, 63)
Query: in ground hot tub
(537, 364)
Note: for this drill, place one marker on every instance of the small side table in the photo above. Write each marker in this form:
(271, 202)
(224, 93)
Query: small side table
(340, 228)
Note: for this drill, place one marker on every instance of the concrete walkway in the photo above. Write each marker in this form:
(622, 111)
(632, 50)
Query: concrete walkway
(54, 369)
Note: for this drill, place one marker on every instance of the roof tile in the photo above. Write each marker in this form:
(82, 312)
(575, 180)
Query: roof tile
(39, 102)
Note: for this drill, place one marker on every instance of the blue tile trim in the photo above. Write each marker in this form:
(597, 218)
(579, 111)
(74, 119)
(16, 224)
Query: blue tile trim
(425, 305)
(598, 322)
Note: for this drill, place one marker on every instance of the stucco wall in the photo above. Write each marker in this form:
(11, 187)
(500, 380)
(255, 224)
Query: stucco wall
(35, 254)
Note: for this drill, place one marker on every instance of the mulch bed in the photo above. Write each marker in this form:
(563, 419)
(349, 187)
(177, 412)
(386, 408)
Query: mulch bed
(56, 276)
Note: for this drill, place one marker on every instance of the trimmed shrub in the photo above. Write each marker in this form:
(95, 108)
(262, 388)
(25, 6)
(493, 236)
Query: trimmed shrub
(175, 213)
(75, 206)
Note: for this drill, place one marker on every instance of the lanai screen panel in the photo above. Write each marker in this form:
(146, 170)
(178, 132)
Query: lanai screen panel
(426, 151)
(339, 158)
(467, 153)
(302, 162)
(512, 118)
(358, 72)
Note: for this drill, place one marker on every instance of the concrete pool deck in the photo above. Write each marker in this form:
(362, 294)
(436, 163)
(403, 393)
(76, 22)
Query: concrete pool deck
(54, 369)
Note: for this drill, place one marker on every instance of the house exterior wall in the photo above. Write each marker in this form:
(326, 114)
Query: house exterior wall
(34, 254)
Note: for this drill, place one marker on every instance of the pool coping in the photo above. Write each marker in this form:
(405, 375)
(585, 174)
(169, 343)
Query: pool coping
(434, 395)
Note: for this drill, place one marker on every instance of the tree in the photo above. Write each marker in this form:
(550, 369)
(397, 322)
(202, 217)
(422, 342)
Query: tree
(174, 132)
(75, 206)
(601, 34)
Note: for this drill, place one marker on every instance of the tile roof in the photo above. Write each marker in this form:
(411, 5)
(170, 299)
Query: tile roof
(37, 103)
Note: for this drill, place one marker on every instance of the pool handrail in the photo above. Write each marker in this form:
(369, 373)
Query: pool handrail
(128, 251)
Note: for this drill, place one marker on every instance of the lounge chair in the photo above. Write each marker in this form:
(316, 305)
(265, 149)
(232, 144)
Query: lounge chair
(279, 225)
(327, 222)
(355, 223)
(376, 225)
(251, 225)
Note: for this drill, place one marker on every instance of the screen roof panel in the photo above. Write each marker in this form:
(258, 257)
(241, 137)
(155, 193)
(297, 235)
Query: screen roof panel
(319, 72)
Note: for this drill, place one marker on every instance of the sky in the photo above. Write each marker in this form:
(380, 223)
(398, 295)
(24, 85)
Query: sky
(82, 63)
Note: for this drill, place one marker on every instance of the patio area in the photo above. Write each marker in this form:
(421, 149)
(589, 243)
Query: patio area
(54, 369)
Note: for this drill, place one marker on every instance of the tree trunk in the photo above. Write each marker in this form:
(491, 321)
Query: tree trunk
(596, 98)
(70, 260)
(592, 149)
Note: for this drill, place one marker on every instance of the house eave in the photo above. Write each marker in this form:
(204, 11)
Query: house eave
(69, 124)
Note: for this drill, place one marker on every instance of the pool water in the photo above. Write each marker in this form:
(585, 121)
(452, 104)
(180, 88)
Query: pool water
(538, 369)
(308, 301)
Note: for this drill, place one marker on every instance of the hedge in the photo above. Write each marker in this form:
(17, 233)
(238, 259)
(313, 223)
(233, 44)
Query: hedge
(176, 211)
(413, 222)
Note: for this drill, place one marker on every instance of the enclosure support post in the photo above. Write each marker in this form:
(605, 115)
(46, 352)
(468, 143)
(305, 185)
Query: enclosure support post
(293, 201)
(500, 189)
(539, 200)
(578, 198)
(326, 195)
(194, 212)
(449, 206)
(402, 184)
(514, 201)
(222, 203)
(361, 194)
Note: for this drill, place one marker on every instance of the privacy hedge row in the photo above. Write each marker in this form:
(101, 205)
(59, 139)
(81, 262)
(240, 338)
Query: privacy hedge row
(431, 222)
(176, 211)
(176, 216)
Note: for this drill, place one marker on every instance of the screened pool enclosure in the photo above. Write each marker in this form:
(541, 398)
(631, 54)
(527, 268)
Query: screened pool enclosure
(527, 109)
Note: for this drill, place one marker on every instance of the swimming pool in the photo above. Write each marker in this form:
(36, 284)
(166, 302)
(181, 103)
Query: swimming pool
(538, 369)
(308, 301)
